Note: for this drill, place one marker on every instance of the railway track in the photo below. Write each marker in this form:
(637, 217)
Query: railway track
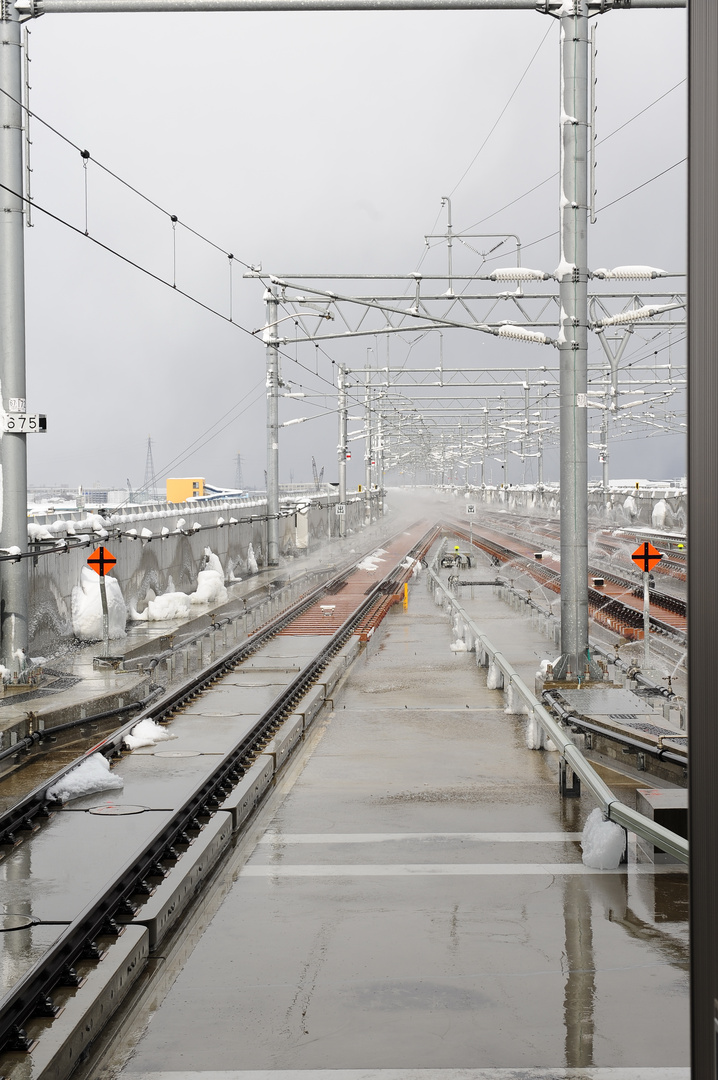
(614, 542)
(616, 603)
(180, 811)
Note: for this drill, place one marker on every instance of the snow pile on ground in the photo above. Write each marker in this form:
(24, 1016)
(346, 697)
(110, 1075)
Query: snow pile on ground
(210, 582)
(550, 555)
(603, 842)
(371, 562)
(251, 561)
(87, 607)
(170, 605)
(146, 733)
(91, 776)
(459, 646)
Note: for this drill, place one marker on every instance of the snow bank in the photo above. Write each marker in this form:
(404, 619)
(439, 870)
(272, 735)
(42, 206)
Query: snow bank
(603, 842)
(146, 733)
(630, 508)
(251, 561)
(87, 607)
(91, 776)
(170, 605)
(459, 646)
(661, 515)
(210, 582)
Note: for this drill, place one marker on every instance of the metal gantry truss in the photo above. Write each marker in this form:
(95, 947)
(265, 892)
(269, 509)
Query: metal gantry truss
(495, 400)
(529, 324)
(533, 317)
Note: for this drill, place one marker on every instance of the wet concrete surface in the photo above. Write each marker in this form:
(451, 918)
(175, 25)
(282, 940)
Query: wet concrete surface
(420, 903)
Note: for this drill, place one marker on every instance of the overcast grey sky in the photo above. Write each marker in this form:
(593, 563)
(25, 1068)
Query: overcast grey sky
(307, 142)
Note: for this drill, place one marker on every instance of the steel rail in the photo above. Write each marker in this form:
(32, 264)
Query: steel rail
(35, 803)
(20, 1004)
(594, 595)
(658, 752)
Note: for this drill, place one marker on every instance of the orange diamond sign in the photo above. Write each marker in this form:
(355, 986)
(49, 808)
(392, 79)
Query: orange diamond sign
(645, 557)
(101, 560)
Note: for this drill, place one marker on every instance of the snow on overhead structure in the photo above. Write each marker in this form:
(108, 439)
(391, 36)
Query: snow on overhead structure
(635, 314)
(522, 333)
(632, 273)
(518, 273)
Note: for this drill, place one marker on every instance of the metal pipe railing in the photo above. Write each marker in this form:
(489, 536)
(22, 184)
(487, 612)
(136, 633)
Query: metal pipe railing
(612, 807)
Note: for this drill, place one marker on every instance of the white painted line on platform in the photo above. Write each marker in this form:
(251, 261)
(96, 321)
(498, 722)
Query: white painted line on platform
(379, 838)
(559, 1073)
(447, 870)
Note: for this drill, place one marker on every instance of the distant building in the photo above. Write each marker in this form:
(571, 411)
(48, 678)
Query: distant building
(180, 489)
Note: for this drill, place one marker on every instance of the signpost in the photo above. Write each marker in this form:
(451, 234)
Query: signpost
(340, 509)
(101, 561)
(645, 557)
(471, 511)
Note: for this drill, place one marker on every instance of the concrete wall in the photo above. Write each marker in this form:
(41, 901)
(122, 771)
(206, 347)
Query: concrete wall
(660, 508)
(156, 564)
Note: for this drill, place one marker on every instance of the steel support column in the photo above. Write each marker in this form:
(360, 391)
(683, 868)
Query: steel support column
(13, 457)
(270, 337)
(342, 447)
(573, 340)
(703, 530)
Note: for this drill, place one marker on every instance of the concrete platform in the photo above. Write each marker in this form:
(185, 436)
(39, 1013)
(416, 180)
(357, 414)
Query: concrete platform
(419, 908)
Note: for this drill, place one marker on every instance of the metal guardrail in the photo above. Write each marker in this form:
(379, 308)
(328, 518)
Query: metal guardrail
(613, 808)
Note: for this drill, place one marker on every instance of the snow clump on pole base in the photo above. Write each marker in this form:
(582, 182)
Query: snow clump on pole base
(603, 842)
(87, 607)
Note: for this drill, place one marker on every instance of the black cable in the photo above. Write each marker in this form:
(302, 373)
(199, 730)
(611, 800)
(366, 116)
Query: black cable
(86, 156)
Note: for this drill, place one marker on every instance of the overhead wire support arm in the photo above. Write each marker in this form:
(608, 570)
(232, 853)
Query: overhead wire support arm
(35, 8)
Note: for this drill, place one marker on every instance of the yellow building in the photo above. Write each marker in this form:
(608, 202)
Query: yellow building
(183, 488)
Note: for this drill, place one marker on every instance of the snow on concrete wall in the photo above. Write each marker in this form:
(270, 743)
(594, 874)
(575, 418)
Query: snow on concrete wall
(170, 561)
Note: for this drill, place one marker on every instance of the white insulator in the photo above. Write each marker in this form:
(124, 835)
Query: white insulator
(635, 315)
(521, 333)
(634, 273)
(518, 273)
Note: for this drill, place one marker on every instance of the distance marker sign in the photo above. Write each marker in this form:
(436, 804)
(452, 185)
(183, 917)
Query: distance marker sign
(101, 560)
(645, 557)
